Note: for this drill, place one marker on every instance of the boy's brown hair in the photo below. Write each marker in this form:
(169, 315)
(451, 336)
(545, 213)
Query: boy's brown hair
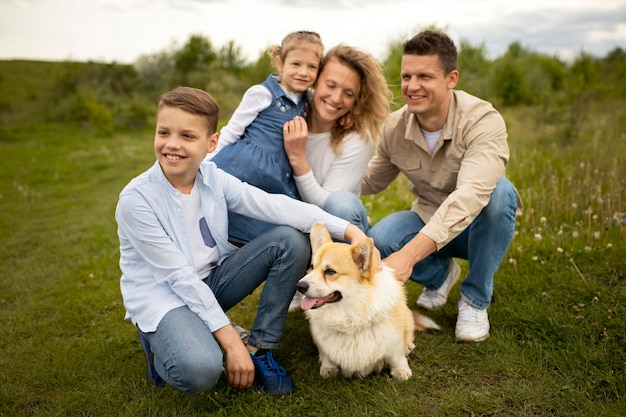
(194, 101)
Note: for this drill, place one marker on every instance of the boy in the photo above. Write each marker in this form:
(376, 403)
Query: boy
(179, 272)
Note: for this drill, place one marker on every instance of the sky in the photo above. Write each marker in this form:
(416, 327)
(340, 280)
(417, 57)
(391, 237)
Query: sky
(123, 30)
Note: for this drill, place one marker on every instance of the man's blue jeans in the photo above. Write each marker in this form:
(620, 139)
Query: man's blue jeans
(186, 355)
(484, 243)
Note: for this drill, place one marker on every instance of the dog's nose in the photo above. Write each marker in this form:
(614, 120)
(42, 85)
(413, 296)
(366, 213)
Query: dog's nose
(302, 286)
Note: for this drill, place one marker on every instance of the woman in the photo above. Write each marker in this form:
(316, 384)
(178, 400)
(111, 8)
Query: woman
(329, 152)
(329, 156)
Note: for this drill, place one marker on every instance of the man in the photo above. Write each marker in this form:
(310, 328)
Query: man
(453, 149)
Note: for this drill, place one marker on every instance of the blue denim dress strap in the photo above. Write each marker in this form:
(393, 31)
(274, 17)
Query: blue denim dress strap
(259, 158)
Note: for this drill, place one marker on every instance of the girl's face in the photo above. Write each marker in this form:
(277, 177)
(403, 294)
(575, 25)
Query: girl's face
(181, 142)
(299, 70)
(335, 95)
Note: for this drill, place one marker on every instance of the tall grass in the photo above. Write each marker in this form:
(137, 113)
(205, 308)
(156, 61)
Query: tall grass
(558, 331)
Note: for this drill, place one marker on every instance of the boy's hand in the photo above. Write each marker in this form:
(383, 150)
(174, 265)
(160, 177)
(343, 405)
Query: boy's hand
(239, 366)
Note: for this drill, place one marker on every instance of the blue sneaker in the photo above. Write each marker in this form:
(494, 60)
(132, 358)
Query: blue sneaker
(153, 376)
(269, 376)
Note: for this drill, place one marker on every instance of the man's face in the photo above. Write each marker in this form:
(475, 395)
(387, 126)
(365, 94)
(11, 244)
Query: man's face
(425, 87)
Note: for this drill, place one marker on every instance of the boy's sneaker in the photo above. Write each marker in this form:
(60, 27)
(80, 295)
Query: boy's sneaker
(269, 376)
(153, 376)
(472, 324)
(433, 299)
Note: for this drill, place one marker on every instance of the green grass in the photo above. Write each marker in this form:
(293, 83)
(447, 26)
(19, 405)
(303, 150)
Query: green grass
(558, 330)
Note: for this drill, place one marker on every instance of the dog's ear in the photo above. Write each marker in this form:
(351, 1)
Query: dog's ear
(362, 254)
(319, 236)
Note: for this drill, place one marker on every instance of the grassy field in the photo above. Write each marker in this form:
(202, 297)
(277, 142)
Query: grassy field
(558, 329)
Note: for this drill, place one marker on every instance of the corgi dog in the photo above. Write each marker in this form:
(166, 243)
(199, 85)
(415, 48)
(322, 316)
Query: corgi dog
(357, 311)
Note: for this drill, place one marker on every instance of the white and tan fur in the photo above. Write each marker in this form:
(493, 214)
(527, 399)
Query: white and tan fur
(358, 315)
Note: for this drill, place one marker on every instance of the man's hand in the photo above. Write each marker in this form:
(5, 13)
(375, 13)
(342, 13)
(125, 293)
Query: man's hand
(406, 258)
(401, 264)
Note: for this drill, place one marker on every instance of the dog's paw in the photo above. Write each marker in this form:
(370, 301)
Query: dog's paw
(329, 371)
(401, 374)
(409, 348)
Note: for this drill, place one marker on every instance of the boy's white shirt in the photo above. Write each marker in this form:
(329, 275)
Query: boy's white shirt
(205, 258)
(156, 258)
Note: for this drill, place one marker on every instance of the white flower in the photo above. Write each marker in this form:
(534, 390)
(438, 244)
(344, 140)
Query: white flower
(559, 250)
(538, 236)
(575, 234)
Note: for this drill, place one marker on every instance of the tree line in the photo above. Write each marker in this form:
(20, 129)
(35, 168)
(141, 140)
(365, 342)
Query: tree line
(113, 96)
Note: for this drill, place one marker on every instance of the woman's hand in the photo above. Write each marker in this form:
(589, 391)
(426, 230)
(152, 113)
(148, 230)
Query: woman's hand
(295, 133)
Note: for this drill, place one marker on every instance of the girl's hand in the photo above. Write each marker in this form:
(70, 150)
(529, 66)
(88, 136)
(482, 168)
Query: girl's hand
(295, 133)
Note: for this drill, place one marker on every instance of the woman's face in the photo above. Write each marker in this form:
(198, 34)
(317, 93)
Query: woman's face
(335, 95)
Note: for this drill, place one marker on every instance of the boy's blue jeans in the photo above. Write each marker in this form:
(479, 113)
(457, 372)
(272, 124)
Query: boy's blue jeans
(484, 243)
(186, 355)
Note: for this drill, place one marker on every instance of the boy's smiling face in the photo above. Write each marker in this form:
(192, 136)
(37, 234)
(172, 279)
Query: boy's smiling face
(181, 142)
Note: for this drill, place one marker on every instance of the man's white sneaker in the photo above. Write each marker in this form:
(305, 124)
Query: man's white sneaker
(472, 324)
(433, 299)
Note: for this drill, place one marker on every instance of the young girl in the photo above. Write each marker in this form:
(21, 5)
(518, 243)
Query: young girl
(251, 145)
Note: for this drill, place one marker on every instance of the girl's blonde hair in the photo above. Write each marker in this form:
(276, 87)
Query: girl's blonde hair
(373, 100)
(301, 39)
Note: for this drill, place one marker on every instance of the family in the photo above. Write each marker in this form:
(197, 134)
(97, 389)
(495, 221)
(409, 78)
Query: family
(220, 213)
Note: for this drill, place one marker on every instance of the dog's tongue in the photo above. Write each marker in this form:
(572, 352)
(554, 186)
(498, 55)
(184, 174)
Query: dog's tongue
(308, 303)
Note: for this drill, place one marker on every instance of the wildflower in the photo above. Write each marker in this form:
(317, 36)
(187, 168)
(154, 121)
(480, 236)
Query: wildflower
(559, 250)
(538, 237)
(543, 220)
(575, 234)
(587, 248)
(609, 246)
(596, 235)
(512, 261)
(534, 258)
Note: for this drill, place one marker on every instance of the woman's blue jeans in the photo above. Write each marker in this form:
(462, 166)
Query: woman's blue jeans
(347, 206)
(484, 244)
(186, 355)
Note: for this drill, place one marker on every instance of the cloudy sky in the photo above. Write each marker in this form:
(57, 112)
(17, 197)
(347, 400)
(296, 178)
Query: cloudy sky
(123, 30)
